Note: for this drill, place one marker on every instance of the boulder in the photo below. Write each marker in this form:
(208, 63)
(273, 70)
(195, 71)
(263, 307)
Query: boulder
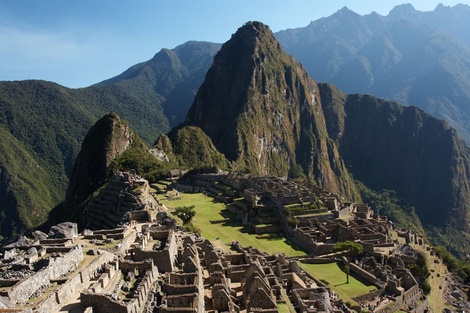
(64, 230)
(39, 235)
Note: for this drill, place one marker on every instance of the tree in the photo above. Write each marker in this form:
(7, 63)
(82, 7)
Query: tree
(352, 248)
(185, 213)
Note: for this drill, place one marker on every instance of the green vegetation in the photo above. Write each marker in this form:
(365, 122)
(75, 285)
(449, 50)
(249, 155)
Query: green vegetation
(387, 203)
(192, 148)
(26, 195)
(421, 271)
(459, 267)
(137, 157)
(296, 172)
(185, 213)
(285, 307)
(230, 229)
(266, 123)
(351, 249)
(334, 275)
(48, 123)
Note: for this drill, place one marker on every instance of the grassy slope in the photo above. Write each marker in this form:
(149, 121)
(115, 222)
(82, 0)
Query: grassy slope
(336, 278)
(209, 210)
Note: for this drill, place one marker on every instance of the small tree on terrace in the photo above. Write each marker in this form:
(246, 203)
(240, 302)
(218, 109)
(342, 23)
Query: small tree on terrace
(352, 248)
(185, 213)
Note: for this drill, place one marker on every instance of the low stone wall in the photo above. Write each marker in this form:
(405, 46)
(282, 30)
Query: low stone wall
(140, 216)
(189, 188)
(179, 289)
(318, 260)
(127, 242)
(61, 249)
(267, 229)
(22, 291)
(101, 303)
(61, 241)
(49, 304)
(68, 290)
(8, 282)
(362, 273)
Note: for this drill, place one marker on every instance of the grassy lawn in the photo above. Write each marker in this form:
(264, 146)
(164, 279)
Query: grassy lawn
(282, 307)
(336, 278)
(285, 307)
(232, 230)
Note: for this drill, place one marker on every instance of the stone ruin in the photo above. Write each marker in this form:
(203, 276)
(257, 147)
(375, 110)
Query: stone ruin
(125, 198)
(150, 265)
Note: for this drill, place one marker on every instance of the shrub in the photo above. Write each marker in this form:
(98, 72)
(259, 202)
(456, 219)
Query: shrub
(185, 213)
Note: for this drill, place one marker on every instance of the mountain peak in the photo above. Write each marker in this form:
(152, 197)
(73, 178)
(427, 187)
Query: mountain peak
(251, 33)
(109, 137)
(254, 27)
(403, 11)
(262, 111)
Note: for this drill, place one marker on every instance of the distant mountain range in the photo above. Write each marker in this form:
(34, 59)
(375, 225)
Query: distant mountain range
(416, 58)
(324, 134)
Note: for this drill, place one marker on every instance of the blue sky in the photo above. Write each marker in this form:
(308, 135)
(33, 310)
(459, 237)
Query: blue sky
(77, 43)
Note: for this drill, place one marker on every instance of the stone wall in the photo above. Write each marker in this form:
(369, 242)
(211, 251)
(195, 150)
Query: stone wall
(318, 260)
(139, 216)
(75, 284)
(409, 299)
(267, 229)
(127, 242)
(22, 291)
(101, 303)
(361, 272)
(163, 259)
(104, 304)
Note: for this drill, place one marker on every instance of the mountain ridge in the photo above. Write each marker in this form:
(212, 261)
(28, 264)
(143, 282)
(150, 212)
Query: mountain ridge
(262, 110)
(369, 54)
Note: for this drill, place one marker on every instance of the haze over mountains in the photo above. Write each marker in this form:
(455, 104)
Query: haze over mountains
(276, 119)
(416, 58)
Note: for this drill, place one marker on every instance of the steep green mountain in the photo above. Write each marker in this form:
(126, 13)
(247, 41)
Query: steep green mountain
(41, 128)
(170, 79)
(105, 150)
(48, 123)
(26, 187)
(105, 141)
(189, 147)
(416, 58)
(111, 146)
(264, 113)
(389, 146)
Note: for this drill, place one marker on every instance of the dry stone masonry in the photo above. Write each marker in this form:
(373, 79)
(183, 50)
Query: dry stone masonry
(150, 264)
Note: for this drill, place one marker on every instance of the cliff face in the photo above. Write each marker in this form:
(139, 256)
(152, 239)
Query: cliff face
(105, 141)
(263, 111)
(389, 146)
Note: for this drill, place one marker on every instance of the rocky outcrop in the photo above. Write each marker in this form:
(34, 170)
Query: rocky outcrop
(105, 141)
(264, 113)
